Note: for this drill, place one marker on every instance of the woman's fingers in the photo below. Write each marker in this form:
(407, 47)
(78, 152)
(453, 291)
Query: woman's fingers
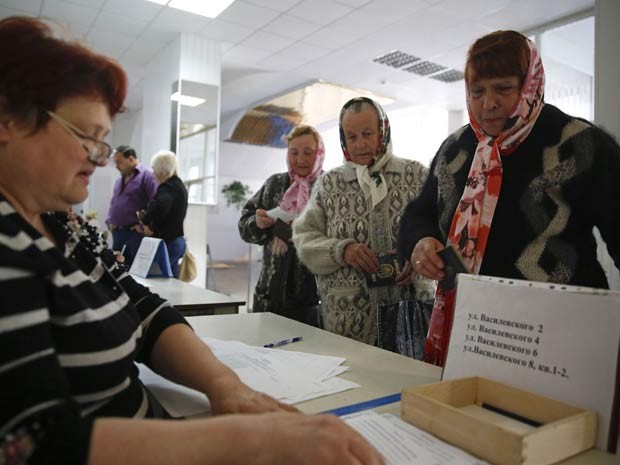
(355, 256)
(425, 260)
(263, 221)
(405, 276)
(368, 260)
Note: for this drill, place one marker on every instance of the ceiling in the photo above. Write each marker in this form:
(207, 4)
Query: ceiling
(271, 46)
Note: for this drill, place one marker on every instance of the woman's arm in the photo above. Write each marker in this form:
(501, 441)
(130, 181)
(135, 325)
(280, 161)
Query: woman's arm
(160, 206)
(319, 252)
(180, 355)
(261, 201)
(604, 202)
(275, 438)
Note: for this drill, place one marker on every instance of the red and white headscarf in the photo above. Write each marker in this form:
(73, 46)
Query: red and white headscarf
(296, 196)
(474, 214)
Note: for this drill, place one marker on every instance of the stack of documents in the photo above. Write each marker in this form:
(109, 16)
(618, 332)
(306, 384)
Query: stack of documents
(290, 377)
(403, 444)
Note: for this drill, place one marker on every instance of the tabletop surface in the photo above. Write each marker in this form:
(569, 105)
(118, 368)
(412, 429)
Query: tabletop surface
(379, 372)
(180, 293)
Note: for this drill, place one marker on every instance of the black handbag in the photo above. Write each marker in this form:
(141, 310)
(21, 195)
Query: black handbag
(402, 327)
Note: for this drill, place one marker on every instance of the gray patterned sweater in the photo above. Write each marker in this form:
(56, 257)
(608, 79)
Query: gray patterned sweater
(562, 181)
(285, 286)
(338, 214)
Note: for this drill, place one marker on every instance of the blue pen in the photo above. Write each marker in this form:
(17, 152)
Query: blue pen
(283, 342)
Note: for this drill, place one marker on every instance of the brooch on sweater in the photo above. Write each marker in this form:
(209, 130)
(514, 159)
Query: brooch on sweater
(17, 447)
(80, 230)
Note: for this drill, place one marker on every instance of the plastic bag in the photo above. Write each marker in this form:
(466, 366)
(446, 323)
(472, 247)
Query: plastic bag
(187, 268)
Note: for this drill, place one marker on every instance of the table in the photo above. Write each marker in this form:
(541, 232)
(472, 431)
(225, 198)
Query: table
(191, 300)
(379, 372)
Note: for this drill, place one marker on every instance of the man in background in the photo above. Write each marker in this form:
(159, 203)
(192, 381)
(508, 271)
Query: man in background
(132, 193)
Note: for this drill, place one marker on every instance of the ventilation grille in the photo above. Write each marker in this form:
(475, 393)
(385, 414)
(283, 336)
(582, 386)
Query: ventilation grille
(396, 59)
(451, 75)
(425, 68)
(413, 64)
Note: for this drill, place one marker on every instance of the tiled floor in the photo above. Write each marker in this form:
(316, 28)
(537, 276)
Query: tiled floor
(232, 278)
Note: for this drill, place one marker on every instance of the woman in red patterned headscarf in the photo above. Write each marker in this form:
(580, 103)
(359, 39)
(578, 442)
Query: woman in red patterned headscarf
(518, 190)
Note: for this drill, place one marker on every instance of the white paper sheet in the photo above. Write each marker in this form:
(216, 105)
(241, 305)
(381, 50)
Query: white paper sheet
(290, 377)
(553, 340)
(145, 256)
(278, 213)
(403, 444)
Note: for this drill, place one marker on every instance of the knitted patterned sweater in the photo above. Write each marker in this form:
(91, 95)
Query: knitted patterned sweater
(338, 214)
(561, 182)
(285, 286)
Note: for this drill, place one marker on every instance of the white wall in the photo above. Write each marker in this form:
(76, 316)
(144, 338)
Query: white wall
(251, 165)
(160, 74)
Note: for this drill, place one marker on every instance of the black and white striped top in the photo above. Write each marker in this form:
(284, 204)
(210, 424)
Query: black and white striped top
(72, 323)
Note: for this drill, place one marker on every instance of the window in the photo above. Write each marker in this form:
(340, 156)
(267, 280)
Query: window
(197, 166)
(568, 57)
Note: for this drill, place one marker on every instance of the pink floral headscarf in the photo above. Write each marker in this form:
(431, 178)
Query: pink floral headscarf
(296, 196)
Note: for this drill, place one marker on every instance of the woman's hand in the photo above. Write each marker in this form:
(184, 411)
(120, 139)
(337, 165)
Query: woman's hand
(425, 260)
(360, 257)
(240, 398)
(406, 276)
(263, 221)
(278, 247)
(313, 439)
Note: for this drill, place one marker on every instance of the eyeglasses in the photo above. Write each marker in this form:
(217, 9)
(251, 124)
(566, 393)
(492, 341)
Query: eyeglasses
(98, 151)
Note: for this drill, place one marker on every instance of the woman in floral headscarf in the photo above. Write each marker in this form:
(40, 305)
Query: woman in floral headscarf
(285, 286)
(352, 217)
(518, 190)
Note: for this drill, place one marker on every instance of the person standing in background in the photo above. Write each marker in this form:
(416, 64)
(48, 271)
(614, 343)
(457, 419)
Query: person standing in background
(164, 216)
(132, 192)
(351, 221)
(285, 285)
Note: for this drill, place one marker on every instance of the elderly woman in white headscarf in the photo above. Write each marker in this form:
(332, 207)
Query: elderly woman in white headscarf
(352, 219)
(285, 286)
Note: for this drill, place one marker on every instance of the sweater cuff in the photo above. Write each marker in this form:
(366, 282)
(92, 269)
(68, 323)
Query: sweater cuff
(337, 251)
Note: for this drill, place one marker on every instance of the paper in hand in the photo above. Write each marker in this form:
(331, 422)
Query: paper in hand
(454, 265)
(279, 214)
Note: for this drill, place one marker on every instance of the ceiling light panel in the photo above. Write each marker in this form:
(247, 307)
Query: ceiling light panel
(396, 59)
(209, 9)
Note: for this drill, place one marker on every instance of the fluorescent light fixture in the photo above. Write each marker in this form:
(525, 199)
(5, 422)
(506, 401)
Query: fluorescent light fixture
(187, 100)
(208, 8)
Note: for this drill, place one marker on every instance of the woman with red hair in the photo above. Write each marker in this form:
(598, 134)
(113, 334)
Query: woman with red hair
(519, 190)
(73, 322)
